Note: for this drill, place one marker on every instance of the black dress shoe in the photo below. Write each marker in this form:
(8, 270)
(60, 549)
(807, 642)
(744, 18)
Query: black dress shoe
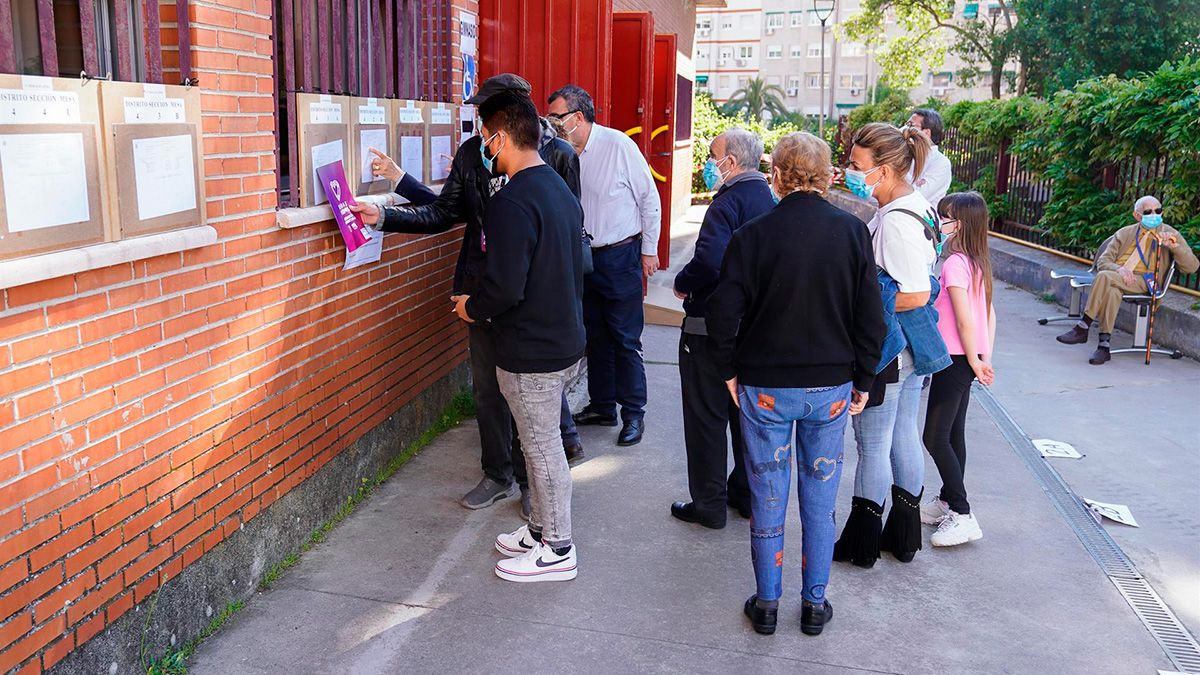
(813, 618)
(686, 511)
(1101, 356)
(574, 453)
(1076, 336)
(631, 433)
(740, 505)
(589, 417)
(763, 620)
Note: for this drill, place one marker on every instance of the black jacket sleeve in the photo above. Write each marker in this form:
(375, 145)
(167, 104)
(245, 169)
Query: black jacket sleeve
(450, 207)
(562, 158)
(869, 328)
(701, 272)
(728, 303)
(416, 192)
(510, 254)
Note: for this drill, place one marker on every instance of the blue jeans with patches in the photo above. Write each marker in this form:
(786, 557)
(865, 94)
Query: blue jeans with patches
(818, 418)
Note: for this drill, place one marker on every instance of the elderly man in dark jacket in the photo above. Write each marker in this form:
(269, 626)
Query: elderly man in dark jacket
(743, 195)
(464, 198)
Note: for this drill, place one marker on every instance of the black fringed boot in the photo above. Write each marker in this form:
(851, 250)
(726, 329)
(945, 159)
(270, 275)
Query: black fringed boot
(859, 543)
(902, 533)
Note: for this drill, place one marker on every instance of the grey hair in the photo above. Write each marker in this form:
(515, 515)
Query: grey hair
(575, 98)
(1137, 206)
(746, 148)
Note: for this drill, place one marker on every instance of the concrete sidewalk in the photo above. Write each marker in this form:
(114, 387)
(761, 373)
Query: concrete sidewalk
(406, 583)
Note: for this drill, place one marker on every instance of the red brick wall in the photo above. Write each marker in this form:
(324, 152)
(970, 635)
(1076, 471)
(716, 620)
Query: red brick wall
(148, 409)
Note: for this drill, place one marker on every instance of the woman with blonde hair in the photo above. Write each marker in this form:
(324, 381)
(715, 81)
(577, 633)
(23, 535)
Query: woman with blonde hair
(795, 327)
(904, 236)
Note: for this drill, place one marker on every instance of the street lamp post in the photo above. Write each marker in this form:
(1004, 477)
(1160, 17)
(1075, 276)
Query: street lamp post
(823, 9)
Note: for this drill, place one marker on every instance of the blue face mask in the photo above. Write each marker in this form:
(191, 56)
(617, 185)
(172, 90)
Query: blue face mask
(857, 182)
(712, 174)
(488, 161)
(1151, 220)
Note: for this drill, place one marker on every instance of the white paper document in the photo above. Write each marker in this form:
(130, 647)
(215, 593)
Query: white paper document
(164, 171)
(324, 112)
(367, 253)
(1050, 448)
(441, 115)
(45, 180)
(411, 115)
(439, 156)
(38, 107)
(326, 153)
(1118, 512)
(372, 113)
(367, 139)
(154, 110)
(412, 156)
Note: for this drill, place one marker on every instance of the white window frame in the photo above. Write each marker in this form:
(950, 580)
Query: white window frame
(796, 19)
(797, 51)
(775, 19)
(774, 51)
(746, 51)
(814, 50)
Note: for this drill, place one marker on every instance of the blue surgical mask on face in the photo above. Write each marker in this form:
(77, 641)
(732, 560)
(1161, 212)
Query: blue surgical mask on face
(857, 182)
(488, 161)
(712, 174)
(1151, 220)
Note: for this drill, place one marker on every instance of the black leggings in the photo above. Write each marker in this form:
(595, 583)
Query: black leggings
(945, 429)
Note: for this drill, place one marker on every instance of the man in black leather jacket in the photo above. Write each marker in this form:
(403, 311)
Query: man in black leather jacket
(463, 199)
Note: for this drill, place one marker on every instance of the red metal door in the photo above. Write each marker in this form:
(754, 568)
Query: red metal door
(661, 135)
(631, 83)
(550, 43)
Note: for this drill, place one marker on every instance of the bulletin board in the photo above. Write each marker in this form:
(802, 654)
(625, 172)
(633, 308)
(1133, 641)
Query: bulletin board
(371, 127)
(412, 145)
(52, 181)
(441, 135)
(323, 123)
(155, 159)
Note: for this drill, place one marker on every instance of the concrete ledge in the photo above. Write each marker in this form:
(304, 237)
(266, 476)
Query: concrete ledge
(185, 605)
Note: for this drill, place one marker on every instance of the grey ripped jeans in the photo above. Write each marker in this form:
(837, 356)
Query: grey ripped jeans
(535, 400)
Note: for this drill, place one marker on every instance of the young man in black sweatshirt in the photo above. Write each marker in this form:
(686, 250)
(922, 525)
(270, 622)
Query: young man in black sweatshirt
(532, 293)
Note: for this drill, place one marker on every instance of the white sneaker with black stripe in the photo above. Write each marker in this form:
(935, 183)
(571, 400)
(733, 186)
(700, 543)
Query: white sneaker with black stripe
(513, 544)
(540, 563)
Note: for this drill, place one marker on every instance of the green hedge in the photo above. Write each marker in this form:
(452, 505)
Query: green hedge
(708, 122)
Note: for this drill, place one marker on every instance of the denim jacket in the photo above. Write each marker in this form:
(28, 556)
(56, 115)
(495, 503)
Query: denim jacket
(916, 329)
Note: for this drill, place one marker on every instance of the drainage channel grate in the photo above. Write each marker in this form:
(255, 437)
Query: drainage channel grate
(1181, 648)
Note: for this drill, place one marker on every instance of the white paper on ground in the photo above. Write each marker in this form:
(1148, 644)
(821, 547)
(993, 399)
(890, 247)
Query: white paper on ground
(326, 153)
(439, 156)
(1118, 512)
(367, 253)
(1050, 448)
(45, 180)
(412, 156)
(164, 172)
(367, 139)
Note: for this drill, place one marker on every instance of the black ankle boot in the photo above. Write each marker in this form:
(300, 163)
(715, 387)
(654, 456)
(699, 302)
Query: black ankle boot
(859, 543)
(814, 617)
(763, 620)
(902, 532)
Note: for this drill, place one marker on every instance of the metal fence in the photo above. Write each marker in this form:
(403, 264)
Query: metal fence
(386, 49)
(1025, 194)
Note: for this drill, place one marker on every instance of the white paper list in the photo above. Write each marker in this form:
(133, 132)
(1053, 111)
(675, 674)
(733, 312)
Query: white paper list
(165, 174)
(439, 156)
(367, 139)
(412, 156)
(326, 153)
(45, 180)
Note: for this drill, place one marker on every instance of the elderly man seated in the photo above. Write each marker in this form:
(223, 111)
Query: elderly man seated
(1124, 267)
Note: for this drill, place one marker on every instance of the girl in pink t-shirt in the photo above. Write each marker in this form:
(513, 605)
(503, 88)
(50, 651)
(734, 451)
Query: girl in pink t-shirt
(967, 323)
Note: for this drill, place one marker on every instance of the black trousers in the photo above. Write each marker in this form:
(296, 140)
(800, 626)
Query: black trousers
(945, 429)
(708, 411)
(501, 454)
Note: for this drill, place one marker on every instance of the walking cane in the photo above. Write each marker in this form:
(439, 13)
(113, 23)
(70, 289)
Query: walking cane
(1153, 299)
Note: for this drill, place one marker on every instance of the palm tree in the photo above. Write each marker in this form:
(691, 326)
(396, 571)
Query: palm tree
(755, 99)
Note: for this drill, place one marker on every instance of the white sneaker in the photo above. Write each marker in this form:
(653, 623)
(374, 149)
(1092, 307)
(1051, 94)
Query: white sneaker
(540, 563)
(934, 511)
(517, 543)
(957, 529)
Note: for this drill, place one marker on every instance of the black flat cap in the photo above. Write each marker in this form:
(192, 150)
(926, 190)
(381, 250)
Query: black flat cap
(504, 82)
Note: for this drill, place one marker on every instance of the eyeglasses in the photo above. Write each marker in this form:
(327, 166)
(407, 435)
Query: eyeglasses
(1146, 212)
(558, 117)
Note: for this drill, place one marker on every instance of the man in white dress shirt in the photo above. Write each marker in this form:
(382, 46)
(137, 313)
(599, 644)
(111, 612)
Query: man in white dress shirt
(621, 212)
(934, 181)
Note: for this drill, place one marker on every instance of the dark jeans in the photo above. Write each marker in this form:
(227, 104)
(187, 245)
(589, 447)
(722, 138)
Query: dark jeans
(612, 315)
(945, 429)
(708, 411)
(501, 454)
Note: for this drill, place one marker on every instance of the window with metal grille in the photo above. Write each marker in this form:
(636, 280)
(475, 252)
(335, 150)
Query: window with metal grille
(107, 39)
(394, 49)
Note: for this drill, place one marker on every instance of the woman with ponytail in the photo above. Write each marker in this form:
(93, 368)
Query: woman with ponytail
(905, 237)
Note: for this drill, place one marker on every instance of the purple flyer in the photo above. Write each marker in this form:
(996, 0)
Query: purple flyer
(337, 189)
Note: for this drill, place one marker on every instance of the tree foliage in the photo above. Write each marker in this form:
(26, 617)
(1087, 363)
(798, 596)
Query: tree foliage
(756, 100)
(708, 121)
